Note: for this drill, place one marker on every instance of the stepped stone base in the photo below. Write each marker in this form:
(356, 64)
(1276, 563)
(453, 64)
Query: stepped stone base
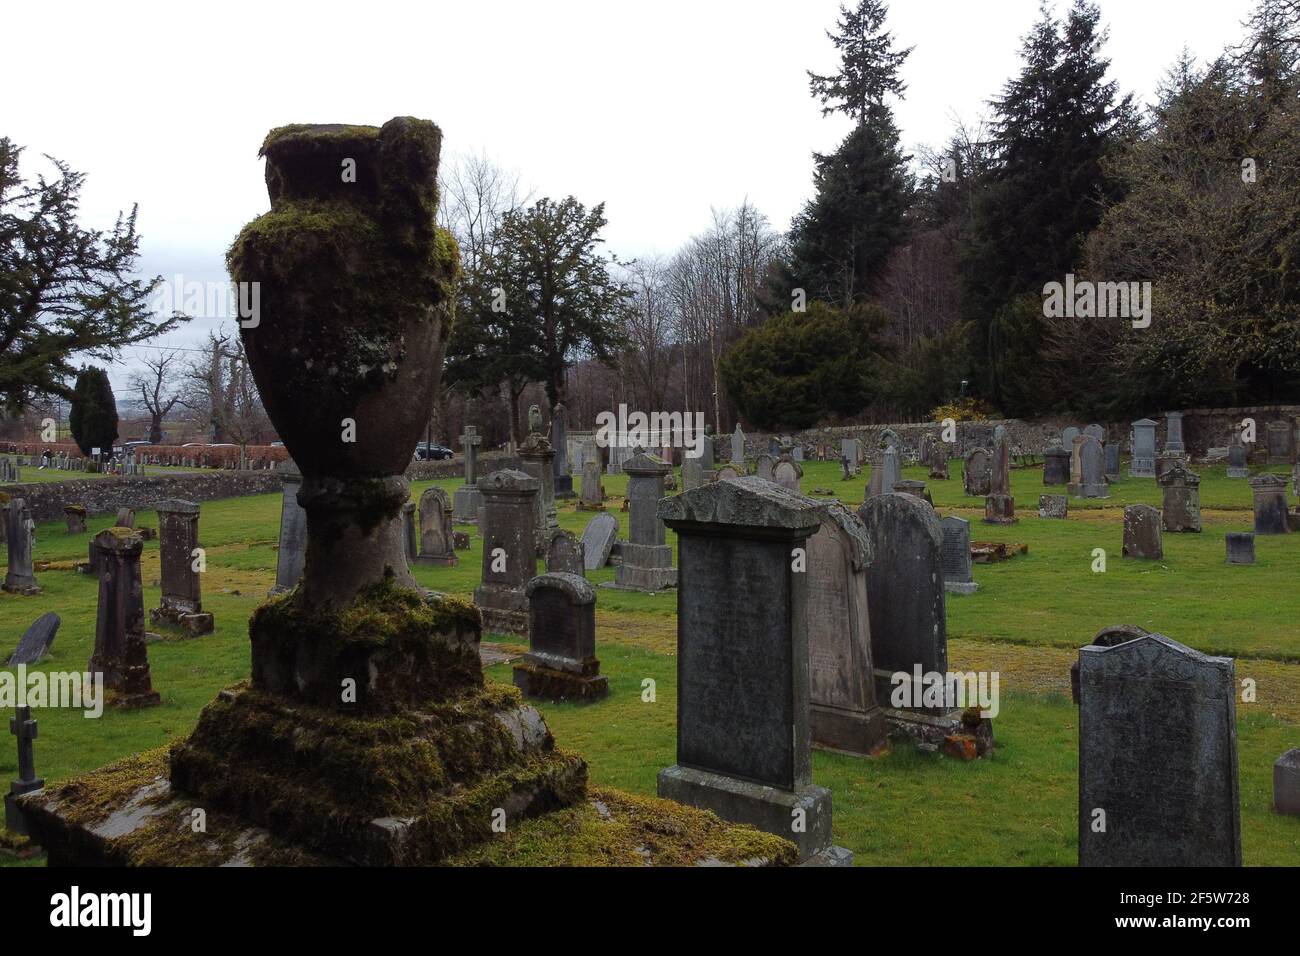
(547, 683)
(193, 623)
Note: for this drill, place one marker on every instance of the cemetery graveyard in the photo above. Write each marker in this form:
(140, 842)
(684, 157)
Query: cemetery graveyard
(434, 586)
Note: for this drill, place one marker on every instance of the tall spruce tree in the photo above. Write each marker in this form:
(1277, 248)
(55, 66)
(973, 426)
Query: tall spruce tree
(840, 240)
(1056, 123)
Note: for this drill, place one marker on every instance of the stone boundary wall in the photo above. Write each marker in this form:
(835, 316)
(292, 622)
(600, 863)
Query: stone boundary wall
(106, 495)
(488, 462)
(1203, 428)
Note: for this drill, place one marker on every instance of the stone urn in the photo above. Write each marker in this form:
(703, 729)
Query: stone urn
(346, 288)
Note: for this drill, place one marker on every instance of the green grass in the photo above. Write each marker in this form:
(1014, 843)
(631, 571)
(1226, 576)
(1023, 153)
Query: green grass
(1017, 807)
(33, 474)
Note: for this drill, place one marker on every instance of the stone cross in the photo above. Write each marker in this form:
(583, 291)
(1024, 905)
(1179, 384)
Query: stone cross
(24, 728)
(470, 441)
(467, 501)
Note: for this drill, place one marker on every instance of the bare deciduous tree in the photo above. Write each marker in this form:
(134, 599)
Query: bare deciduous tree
(156, 383)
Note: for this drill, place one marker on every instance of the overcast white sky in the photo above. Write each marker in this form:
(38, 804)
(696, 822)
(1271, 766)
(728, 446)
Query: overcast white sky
(661, 110)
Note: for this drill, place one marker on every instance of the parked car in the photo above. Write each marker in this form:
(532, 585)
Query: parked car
(427, 451)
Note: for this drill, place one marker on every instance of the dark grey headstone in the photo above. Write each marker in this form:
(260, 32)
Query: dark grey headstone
(1157, 756)
(1181, 509)
(1143, 463)
(1056, 466)
(904, 588)
(564, 554)
(1240, 547)
(1286, 783)
(509, 549)
(977, 473)
(1270, 503)
(292, 556)
(36, 640)
(956, 557)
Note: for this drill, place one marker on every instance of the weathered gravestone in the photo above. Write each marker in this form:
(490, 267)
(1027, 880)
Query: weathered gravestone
(1240, 546)
(564, 554)
(843, 711)
(1068, 436)
(647, 563)
(562, 478)
(1281, 443)
(593, 494)
(706, 451)
(915, 488)
(535, 457)
(1286, 783)
(1000, 506)
(1174, 434)
(743, 743)
(23, 727)
(1112, 460)
(1269, 492)
(1237, 457)
(738, 447)
(466, 500)
(180, 559)
(692, 473)
(75, 517)
(786, 473)
(120, 653)
(905, 597)
(763, 466)
(955, 556)
(1097, 432)
(1157, 754)
(598, 541)
(561, 662)
(1092, 470)
(292, 554)
(509, 549)
(36, 640)
(1181, 509)
(1143, 462)
(19, 535)
(437, 541)
(940, 452)
(410, 535)
(125, 518)
(1053, 506)
(1056, 466)
(850, 455)
(886, 474)
(977, 473)
(1142, 537)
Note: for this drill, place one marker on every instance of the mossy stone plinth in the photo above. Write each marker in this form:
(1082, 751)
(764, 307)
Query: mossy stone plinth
(547, 683)
(391, 649)
(402, 789)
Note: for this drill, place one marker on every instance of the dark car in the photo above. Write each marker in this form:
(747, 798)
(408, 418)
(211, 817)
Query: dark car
(427, 451)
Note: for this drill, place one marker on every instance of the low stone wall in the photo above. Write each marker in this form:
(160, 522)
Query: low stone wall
(455, 467)
(106, 495)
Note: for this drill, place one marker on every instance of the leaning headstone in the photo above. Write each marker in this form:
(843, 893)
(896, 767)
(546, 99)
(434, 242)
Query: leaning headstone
(509, 549)
(466, 500)
(180, 560)
(787, 473)
(843, 712)
(743, 742)
(563, 478)
(598, 540)
(1053, 506)
(19, 532)
(593, 493)
(1240, 547)
(1143, 463)
(23, 727)
(292, 554)
(905, 597)
(437, 537)
(738, 447)
(647, 563)
(1157, 754)
(1237, 457)
(75, 516)
(1269, 492)
(561, 662)
(1142, 537)
(1181, 510)
(955, 556)
(1286, 783)
(120, 653)
(36, 640)
(977, 473)
(564, 554)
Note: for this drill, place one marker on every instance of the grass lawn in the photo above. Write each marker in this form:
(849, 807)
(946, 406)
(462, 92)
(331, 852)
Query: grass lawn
(31, 474)
(1017, 807)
